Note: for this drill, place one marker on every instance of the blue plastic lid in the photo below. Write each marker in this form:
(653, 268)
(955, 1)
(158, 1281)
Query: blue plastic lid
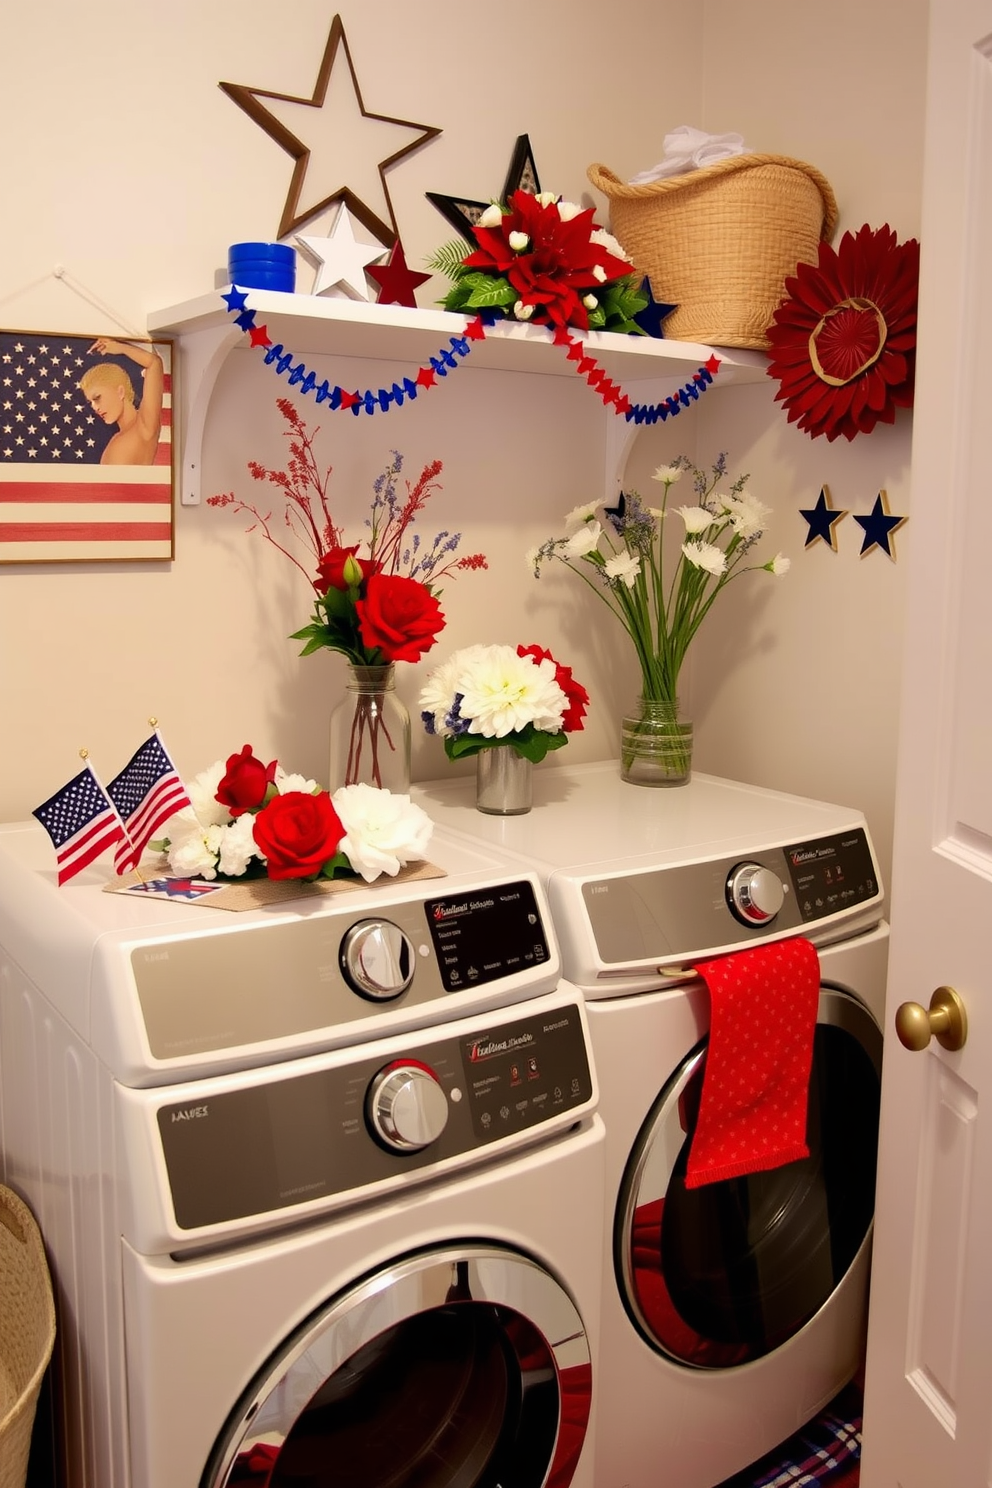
(271, 252)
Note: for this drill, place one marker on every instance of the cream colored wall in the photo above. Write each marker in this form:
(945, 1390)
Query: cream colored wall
(140, 174)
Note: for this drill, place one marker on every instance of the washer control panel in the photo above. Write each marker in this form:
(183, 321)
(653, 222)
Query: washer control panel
(362, 1120)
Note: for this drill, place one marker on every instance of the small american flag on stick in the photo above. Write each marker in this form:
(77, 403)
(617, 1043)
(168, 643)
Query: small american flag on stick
(82, 822)
(146, 793)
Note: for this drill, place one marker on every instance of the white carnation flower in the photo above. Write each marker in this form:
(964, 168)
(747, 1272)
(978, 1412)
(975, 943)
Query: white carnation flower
(438, 693)
(382, 831)
(286, 783)
(568, 210)
(579, 516)
(238, 846)
(519, 241)
(669, 474)
(748, 515)
(193, 848)
(503, 692)
(608, 241)
(202, 791)
(625, 567)
(583, 541)
(696, 518)
(705, 555)
(492, 216)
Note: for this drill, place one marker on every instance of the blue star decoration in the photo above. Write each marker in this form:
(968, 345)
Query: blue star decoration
(822, 519)
(649, 319)
(879, 527)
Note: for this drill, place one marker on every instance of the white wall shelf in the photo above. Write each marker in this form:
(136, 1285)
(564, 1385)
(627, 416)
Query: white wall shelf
(648, 369)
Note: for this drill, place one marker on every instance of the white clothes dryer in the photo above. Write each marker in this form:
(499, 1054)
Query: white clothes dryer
(733, 1312)
(308, 1178)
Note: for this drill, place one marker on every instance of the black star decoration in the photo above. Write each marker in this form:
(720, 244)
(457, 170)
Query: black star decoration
(822, 519)
(293, 214)
(879, 527)
(649, 319)
(463, 213)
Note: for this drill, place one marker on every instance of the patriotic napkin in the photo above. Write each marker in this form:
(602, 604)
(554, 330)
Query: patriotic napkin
(752, 1111)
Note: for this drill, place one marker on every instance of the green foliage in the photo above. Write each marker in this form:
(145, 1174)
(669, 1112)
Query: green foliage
(447, 259)
(532, 743)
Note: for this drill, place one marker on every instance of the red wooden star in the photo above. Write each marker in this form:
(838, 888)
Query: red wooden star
(396, 282)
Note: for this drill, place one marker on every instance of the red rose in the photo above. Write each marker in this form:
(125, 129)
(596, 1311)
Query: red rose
(578, 698)
(340, 569)
(297, 834)
(399, 616)
(243, 787)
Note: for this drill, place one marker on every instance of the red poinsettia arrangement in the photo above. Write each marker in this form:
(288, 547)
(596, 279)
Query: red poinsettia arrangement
(843, 344)
(543, 259)
(377, 606)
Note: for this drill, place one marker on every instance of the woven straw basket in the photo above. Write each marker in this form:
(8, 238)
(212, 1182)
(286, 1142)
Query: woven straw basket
(27, 1333)
(719, 242)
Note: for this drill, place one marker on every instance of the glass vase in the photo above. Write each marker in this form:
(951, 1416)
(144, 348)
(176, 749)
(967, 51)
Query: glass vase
(655, 744)
(503, 781)
(370, 732)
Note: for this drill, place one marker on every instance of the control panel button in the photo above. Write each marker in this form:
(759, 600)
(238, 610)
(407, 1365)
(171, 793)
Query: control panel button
(755, 893)
(377, 959)
(407, 1107)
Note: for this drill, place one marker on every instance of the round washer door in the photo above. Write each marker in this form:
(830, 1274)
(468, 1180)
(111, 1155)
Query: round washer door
(719, 1275)
(463, 1367)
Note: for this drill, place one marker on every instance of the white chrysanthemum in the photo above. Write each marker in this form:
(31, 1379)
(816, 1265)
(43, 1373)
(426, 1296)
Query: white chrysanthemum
(608, 241)
(286, 783)
(437, 695)
(503, 692)
(583, 541)
(778, 565)
(696, 518)
(518, 241)
(748, 515)
(579, 516)
(668, 474)
(705, 555)
(568, 210)
(492, 216)
(193, 848)
(202, 791)
(237, 844)
(625, 567)
(382, 831)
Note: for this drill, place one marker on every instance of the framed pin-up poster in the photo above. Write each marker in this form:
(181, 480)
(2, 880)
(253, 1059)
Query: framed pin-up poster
(86, 456)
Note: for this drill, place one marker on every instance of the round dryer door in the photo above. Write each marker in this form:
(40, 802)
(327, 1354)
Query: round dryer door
(457, 1368)
(718, 1275)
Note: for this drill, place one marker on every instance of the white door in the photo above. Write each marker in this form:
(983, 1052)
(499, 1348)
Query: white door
(928, 1398)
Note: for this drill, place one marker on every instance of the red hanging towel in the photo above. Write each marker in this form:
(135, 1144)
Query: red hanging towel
(752, 1111)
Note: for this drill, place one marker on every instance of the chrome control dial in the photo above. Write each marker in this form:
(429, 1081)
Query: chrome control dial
(377, 959)
(406, 1106)
(755, 893)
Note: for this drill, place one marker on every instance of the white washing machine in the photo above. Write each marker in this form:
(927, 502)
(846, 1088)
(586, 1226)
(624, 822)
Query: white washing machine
(734, 1311)
(309, 1177)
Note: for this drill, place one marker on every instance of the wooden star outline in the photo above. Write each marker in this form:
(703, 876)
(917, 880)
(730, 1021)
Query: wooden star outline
(879, 527)
(822, 519)
(249, 99)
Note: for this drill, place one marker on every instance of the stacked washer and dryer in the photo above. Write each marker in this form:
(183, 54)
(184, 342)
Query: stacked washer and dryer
(731, 1312)
(315, 1179)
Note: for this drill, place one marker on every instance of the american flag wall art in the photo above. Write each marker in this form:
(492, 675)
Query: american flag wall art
(86, 455)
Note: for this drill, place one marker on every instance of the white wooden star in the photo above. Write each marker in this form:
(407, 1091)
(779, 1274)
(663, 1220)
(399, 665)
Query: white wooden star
(341, 260)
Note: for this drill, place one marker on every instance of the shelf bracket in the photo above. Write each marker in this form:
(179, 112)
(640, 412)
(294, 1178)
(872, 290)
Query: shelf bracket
(204, 352)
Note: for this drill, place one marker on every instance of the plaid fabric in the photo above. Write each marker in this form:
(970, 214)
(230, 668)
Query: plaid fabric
(826, 1453)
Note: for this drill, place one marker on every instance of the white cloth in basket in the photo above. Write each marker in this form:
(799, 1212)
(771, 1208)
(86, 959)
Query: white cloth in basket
(688, 149)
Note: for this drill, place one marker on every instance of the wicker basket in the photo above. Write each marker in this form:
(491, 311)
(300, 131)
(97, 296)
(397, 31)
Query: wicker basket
(719, 242)
(27, 1333)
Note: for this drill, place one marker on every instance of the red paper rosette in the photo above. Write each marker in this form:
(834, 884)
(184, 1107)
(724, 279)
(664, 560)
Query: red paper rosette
(843, 344)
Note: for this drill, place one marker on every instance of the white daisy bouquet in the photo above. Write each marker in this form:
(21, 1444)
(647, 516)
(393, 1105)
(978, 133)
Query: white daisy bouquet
(622, 557)
(248, 819)
(518, 696)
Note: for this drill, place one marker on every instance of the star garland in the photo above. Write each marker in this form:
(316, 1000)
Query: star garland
(448, 359)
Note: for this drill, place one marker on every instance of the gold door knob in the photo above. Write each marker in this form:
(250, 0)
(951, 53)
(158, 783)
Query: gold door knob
(945, 1020)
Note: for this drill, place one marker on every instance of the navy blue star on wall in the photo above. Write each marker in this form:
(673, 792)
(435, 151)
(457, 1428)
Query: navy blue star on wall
(822, 519)
(463, 213)
(879, 527)
(649, 319)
